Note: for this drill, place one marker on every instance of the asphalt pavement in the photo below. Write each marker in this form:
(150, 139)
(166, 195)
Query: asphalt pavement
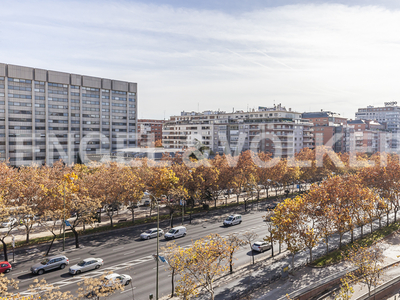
(123, 252)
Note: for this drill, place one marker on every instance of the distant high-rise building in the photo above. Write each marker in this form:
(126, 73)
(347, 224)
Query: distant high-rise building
(48, 115)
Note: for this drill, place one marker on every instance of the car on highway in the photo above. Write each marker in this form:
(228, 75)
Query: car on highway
(271, 206)
(115, 278)
(5, 267)
(261, 246)
(10, 222)
(147, 202)
(151, 233)
(233, 220)
(175, 232)
(86, 265)
(50, 263)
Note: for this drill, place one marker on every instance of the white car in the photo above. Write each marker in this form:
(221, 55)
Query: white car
(175, 232)
(115, 278)
(151, 233)
(86, 265)
(261, 246)
(9, 223)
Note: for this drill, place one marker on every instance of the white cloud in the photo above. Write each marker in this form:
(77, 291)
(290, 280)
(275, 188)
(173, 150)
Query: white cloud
(307, 57)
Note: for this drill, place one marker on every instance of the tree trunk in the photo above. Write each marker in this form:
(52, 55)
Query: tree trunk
(51, 245)
(380, 224)
(387, 219)
(372, 227)
(215, 202)
(171, 222)
(340, 240)
(292, 262)
(133, 215)
(310, 255)
(252, 254)
(352, 235)
(27, 235)
(4, 250)
(245, 205)
(76, 237)
(362, 230)
(272, 247)
(327, 244)
(266, 191)
(230, 263)
(237, 198)
(173, 283)
(395, 215)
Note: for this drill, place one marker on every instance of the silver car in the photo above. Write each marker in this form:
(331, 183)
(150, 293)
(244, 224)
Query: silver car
(50, 263)
(261, 246)
(86, 265)
(151, 233)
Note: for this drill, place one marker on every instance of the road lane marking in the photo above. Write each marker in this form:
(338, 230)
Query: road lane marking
(74, 259)
(118, 248)
(130, 253)
(130, 290)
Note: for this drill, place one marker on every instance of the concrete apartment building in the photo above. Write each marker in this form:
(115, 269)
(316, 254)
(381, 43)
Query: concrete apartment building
(149, 131)
(367, 136)
(49, 115)
(274, 129)
(329, 129)
(389, 114)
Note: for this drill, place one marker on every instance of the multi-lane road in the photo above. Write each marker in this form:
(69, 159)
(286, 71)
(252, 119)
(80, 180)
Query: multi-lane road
(123, 252)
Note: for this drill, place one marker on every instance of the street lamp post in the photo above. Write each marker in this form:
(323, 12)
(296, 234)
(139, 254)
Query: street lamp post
(71, 178)
(64, 220)
(158, 240)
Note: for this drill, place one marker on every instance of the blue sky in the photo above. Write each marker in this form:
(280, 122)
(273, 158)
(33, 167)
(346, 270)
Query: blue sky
(185, 55)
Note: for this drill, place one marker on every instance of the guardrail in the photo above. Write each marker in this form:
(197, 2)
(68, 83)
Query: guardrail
(385, 290)
(318, 287)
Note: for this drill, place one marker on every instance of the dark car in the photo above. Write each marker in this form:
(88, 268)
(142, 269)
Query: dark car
(271, 206)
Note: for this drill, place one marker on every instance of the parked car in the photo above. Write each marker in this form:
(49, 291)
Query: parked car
(115, 278)
(151, 233)
(9, 223)
(5, 267)
(271, 206)
(86, 265)
(50, 263)
(175, 232)
(233, 220)
(147, 203)
(261, 246)
(110, 281)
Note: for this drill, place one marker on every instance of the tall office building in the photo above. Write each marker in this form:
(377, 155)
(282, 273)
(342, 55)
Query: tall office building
(47, 115)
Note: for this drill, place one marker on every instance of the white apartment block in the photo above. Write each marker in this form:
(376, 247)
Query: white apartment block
(47, 115)
(390, 114)
(275, 130)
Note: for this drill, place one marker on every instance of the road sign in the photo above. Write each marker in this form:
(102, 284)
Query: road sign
(67, 223)
(182, 202)
(162, 259)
